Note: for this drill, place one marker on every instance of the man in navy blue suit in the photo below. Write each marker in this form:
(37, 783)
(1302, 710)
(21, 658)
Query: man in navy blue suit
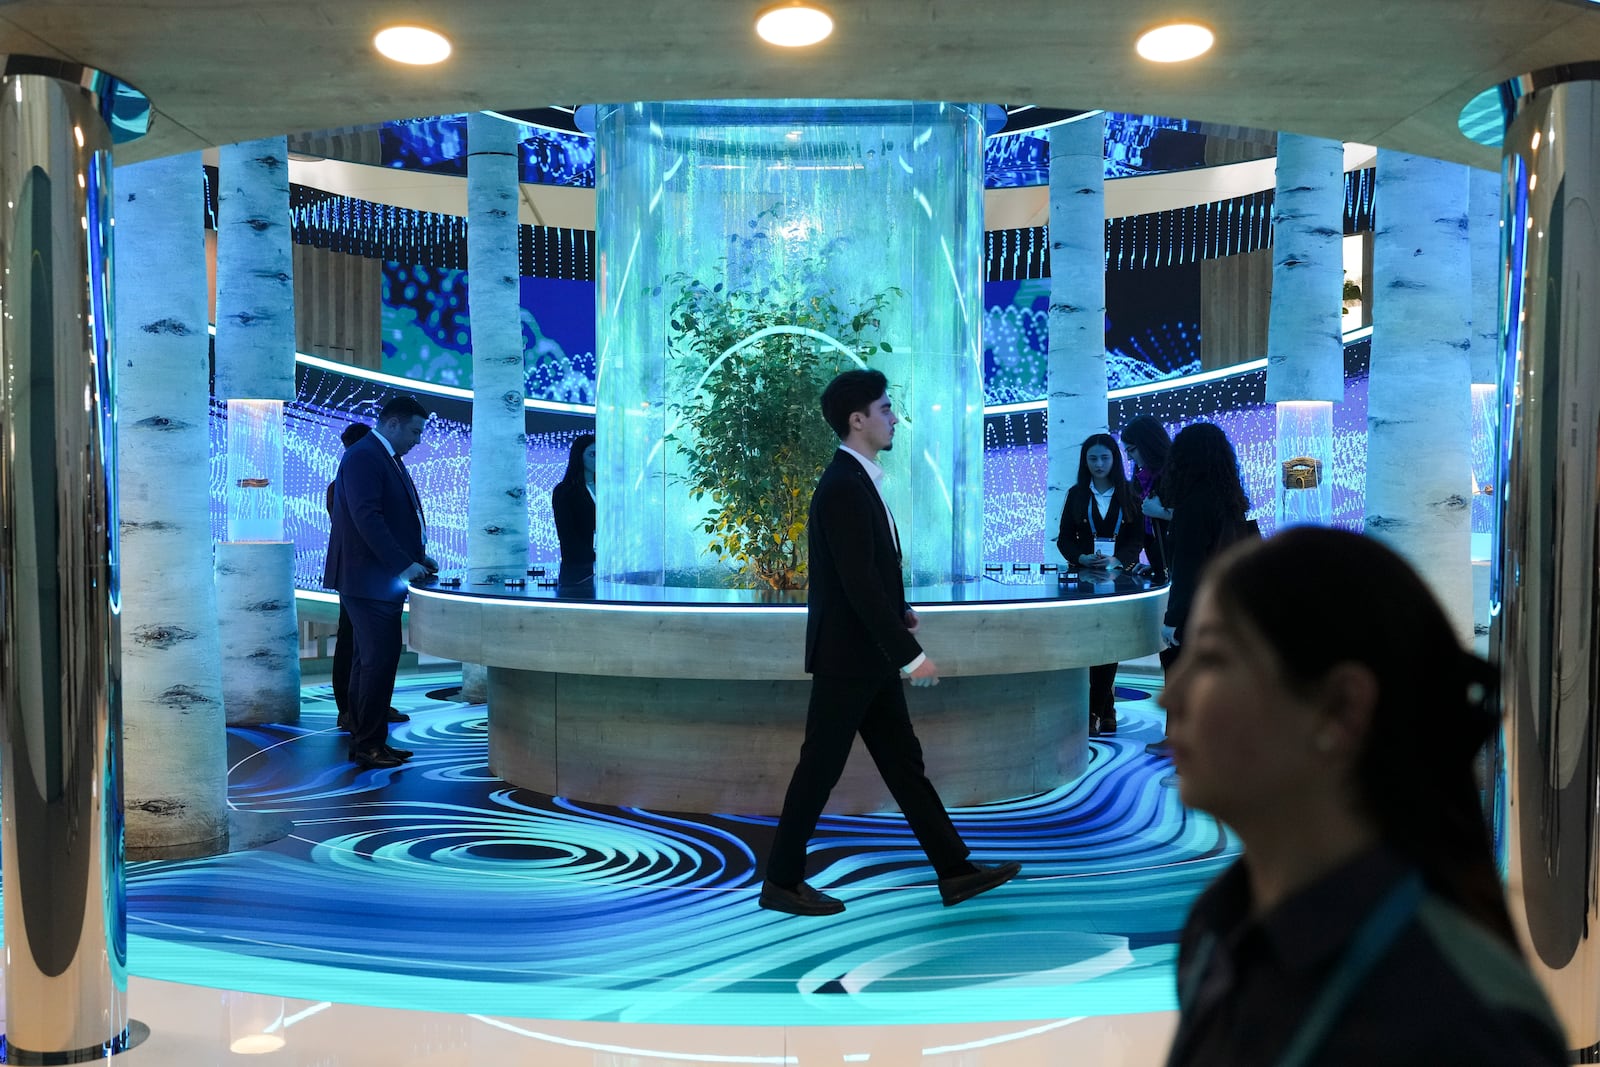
(860, 646)
(376, 547)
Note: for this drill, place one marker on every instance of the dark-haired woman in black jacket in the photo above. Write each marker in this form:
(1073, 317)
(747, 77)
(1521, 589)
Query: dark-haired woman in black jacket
(1101, 513)
(572, 506)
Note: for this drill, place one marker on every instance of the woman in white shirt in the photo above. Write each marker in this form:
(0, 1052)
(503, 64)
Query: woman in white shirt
(1101, 530)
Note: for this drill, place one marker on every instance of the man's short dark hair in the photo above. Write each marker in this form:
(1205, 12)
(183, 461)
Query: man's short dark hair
(353, 433)
(850, 392)
(402, 408)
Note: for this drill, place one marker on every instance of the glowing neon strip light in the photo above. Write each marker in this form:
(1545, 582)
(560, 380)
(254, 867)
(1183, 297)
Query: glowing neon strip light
(1002, 1039)
(412, 384)
(1193, 379)
(960, 608)
(623, 1050)
(1171, 383)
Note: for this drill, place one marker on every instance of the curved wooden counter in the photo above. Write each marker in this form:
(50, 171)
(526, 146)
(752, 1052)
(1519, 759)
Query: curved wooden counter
(701, 706)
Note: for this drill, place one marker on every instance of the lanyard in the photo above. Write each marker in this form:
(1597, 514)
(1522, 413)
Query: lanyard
(1110, 505)
(1371, 941)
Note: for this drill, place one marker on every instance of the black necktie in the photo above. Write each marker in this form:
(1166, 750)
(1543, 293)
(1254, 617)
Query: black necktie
(411, 487)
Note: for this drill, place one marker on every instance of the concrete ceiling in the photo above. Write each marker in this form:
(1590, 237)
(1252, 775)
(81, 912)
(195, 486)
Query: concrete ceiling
(1392, 73)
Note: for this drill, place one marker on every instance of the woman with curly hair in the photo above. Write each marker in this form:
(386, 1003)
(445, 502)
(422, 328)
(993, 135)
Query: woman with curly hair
(1200, 485)
(1101, 530)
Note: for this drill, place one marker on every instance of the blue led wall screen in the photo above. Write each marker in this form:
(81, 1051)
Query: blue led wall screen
(1015, 526)
(1135, 144)
(427, 331)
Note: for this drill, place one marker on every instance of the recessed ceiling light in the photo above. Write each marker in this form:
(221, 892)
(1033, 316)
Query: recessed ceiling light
(412, 44)
(1175, 42)
(794, 24)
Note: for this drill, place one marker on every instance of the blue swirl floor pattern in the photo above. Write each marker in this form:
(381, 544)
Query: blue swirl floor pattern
(438, 887)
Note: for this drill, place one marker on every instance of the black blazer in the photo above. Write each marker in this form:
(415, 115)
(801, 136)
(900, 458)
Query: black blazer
(856, 603)
(376, 533)
(573, 509)
(1201, 527)
(1079, 528)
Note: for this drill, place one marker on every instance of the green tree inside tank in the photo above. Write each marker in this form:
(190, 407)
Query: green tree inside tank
(752, 355)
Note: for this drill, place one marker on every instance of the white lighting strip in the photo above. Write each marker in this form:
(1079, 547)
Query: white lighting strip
(623, 1050)
(582, 605)
(1048, 125)
(413, 385)
(955, 608)
(1193, 379)
(989, 1042)
(1172, 383)
(1034, 605)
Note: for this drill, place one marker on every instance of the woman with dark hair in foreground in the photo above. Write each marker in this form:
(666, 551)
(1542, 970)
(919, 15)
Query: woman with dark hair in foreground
(1325, 711)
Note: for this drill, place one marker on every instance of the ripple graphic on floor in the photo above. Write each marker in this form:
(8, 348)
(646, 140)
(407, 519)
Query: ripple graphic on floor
(437, 886)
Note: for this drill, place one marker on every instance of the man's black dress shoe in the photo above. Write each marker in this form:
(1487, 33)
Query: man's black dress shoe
(399, 753)
(374, 759)
(344, 722)
(396, 715)
(961, 887)
(801, 900)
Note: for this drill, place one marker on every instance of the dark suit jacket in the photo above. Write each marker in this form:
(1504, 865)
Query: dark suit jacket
(573, 510)
(1079, 527)
(856, 603)
(376, 534)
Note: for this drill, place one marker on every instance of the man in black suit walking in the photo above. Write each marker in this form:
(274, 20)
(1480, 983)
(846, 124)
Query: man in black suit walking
(375, 548)
(860, 643)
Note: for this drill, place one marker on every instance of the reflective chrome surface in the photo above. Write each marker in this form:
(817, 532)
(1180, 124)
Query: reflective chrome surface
(1543, 592)
(59, 676)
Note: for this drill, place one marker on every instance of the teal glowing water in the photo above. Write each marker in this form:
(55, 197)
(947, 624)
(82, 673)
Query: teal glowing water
(872, 209)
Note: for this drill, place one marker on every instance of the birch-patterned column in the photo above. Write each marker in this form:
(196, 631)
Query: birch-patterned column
(497, 507)
(176, 757)
(1419, 488)
(1305, 350)
(255, 375)
(1075, 367)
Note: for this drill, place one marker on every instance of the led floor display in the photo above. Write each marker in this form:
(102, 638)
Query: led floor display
(438, 887)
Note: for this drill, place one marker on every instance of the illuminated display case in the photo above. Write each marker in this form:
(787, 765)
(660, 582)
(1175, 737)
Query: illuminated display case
(255, 470)
(865, 220)
(1304, 493)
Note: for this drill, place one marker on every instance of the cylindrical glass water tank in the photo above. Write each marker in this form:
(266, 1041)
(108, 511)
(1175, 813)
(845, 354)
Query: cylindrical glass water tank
(748, 250)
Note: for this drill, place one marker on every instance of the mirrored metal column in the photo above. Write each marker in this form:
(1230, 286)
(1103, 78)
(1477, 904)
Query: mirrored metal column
(1543, 587)
(65, 941)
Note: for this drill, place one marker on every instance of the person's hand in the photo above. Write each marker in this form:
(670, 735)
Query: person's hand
(1092, 559)
(926, 674)
(1154, 508)
(416, 570)
(1169, 637)
(430, 563)
(913, 621)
